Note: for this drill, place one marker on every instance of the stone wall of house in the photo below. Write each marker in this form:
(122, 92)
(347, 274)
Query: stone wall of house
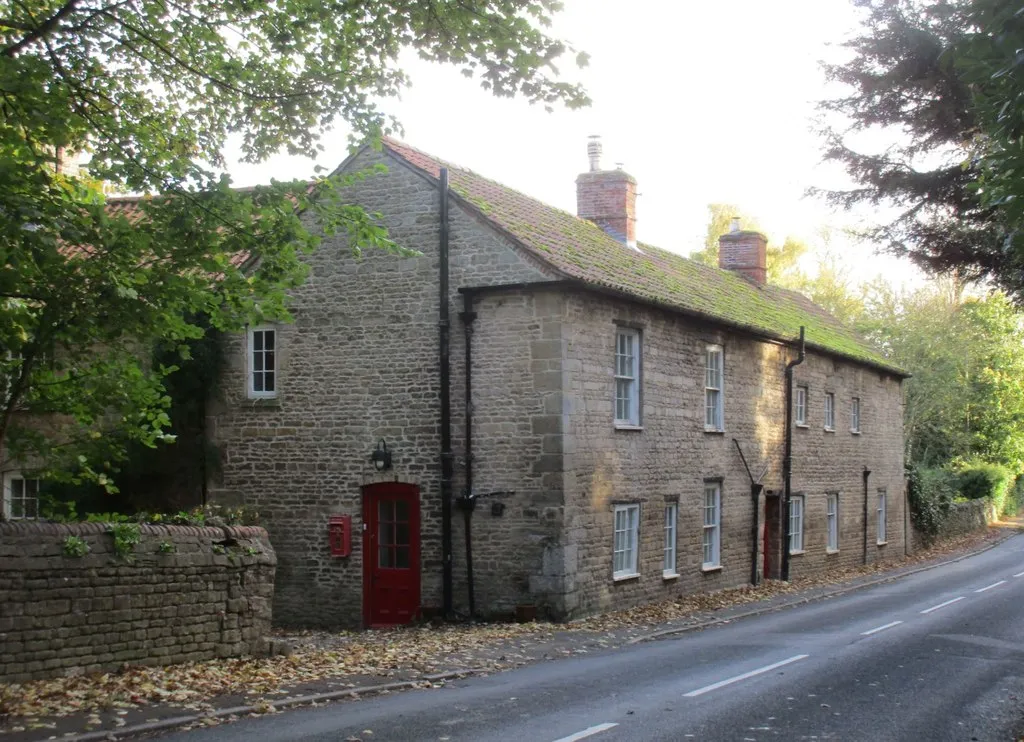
(670, 456)
(360, 364)
(188, 594)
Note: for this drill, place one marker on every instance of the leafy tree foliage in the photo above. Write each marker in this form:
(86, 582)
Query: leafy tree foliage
(151, 90)
(907, 90)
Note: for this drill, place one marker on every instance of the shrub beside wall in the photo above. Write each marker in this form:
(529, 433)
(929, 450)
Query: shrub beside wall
(79, 598)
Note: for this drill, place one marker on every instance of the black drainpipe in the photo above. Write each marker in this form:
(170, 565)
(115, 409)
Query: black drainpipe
(787, 460)
(755, 496)
(467, 502)
(446, 406)
(867, 473)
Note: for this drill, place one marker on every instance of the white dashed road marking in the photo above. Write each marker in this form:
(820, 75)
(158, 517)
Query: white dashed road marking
(880, 628)
(942, 605)
(744, 676)
(1019, 574)
(588, 732)
(989, 587)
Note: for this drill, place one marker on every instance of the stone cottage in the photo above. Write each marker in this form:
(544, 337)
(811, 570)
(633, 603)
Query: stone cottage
(540, 414)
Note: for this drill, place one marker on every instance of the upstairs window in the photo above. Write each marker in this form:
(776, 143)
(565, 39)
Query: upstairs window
(830, 411)
(262, 362)
(627, 377)
(713, 381)
(800, 405)
(21, 497)
(855, 415)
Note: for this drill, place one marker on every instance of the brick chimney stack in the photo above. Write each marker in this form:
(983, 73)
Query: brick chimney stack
(744, 252)
(607, 197)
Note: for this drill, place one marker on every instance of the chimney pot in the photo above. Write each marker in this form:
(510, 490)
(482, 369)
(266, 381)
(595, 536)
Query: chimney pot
(594, 152)
(734, 225)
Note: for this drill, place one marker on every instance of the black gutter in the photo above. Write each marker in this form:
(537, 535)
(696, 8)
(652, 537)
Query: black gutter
(755, 496)
(867, 474)
(467, 502)
(787, 461)
(444, 326)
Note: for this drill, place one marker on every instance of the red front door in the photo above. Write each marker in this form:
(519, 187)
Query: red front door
(391, 553)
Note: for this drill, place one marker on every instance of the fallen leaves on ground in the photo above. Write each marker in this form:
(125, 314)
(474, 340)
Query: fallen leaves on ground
(410, 652)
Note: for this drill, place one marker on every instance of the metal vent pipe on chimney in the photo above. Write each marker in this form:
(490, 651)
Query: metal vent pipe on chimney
(594, 152)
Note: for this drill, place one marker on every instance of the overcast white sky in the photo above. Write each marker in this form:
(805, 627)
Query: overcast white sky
(701, 102)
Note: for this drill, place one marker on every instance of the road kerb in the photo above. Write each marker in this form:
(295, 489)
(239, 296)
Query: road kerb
(175, 722)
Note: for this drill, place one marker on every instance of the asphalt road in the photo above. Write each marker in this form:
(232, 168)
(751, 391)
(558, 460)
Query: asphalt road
(934, 656)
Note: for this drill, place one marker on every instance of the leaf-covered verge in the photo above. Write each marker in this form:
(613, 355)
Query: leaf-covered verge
(324, 661)
(150, 92)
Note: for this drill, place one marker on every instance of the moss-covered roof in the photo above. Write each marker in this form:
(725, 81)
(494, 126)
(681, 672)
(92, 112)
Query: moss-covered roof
(579, 249)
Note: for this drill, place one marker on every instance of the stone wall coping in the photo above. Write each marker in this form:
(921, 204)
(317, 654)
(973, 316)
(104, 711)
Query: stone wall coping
(20, 527)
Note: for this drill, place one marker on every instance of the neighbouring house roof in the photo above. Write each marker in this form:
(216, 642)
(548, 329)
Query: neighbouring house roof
(580, 250)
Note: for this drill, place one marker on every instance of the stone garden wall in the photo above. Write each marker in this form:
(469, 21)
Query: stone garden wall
(180, 594)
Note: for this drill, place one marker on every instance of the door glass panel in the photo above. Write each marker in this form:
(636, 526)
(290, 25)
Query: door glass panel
(386, 510)
(385, 534)
(402, 534)
(401, 557)
(384, 556)
(401, 511)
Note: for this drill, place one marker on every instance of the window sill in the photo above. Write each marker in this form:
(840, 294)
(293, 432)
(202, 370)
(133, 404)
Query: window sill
(715, 431)
(831, 551)
(881, 543)
(803, 426)
(628, 426)
(854, 432)
(271, 402)
(830, 430)
(798, 552)
(669, 576)
(625, 578)
(706, 568)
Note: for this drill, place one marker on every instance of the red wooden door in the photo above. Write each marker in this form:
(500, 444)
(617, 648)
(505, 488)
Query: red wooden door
(391, 553)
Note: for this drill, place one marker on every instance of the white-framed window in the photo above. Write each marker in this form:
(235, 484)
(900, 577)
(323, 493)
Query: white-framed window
(262, 362)
(627, 376)
(21, 497)
(800, 405)
(714, 393)
(830, 411)
(832, 521)
(796, 524)
(668, 566)
(881, 516)
(626, 540)
(712, 525)
(855, 415)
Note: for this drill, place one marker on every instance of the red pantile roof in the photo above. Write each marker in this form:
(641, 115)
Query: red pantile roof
(578, 249)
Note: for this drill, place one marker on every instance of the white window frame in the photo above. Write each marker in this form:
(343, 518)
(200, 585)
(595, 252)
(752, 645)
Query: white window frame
(714, 389)
(880, 512)
(797, 505)
(627, 378)
(626, 541)
(832, 522)
(711, 540)
(855, 415)
(800, 406)
(251, 365)
(8, 496)
(668, 566)
(830, 411)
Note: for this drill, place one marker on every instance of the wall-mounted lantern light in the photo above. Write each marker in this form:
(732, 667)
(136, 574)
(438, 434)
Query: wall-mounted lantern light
(381, 456)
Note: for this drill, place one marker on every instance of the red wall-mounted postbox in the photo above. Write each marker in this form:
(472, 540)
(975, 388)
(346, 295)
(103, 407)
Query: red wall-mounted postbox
(340, 535)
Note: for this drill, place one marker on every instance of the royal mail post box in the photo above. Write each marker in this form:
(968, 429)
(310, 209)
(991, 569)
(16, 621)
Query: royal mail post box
(340, 535)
